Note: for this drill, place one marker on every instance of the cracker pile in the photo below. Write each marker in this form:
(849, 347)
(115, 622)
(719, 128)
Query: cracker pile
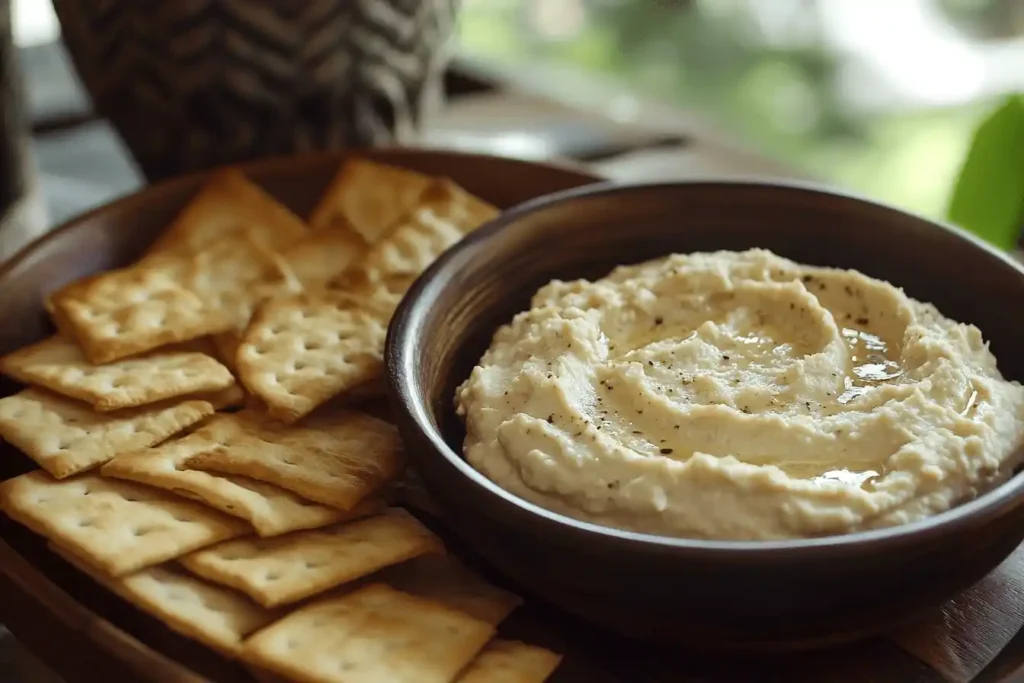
(206, 454)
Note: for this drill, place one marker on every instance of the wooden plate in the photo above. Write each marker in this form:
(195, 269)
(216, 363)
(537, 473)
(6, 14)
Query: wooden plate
(77, 628)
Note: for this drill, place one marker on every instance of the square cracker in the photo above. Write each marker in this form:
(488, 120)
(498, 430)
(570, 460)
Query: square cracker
(323, 255)
(372, 634)
(509, 661)
(337, 459)
(368, 197)
(298, 353)
(444, 579)
(168, 300)
(271, 510)
(66, 437)
(215, 616)
(118, 527)
(227, 205)
(59, 365)
(284, 570)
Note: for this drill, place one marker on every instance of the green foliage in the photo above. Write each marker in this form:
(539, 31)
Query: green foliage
(988, 198)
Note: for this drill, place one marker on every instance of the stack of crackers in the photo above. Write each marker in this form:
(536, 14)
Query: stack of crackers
(205, 453)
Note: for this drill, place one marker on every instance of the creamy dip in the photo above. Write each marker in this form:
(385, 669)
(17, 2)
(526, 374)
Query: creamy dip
(740, 396)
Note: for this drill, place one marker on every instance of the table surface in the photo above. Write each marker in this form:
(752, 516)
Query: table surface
(976, 637)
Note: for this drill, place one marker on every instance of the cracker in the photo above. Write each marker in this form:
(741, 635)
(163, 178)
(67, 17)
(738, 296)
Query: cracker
(281, 571)
(509, 661)
(368, 197)
(170, 298)
(229, 204)
(225, 346)
(59, 365)
(118, 527)
(319, 258)
(444, 579)
(270, 510)
(370, 635)
(299, 353)
(215, 616)
(225, 399)
(337, 459)
(66, 437)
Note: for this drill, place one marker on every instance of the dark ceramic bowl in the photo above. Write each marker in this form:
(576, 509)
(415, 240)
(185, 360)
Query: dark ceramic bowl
(717, 594)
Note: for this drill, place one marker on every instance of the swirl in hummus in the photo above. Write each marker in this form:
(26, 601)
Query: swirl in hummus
(740, 396)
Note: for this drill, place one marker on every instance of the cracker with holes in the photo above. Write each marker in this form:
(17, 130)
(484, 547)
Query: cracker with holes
(509, 661)
(444, 579)
(215, 616)
(337, 459)
(118, 527)
(201, 282)
(369, 198)
(372, 634)
(281, 571)
(322, 256)
(66, 437)
(59, 365)
(271, 510)
(297, 354)
(229, 205)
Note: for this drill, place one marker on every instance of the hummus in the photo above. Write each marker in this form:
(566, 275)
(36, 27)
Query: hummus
(740, 396)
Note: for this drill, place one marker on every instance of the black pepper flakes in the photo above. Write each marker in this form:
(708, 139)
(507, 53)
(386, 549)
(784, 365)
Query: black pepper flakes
(725, 356)
(659, 320)
(862, 321)
(551, 419)
(666, 451)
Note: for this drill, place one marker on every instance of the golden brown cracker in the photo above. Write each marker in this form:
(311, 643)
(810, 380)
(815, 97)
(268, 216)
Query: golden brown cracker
(319, 258)
(118, 527)
(372, 634)
(368, 197)
(337, 459)
(59, 365)
(509, 661)
(284, 570)
(66, 437)
(227, 205)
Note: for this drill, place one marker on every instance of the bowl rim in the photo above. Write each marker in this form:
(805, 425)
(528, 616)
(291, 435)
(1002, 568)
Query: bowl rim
(400, 369)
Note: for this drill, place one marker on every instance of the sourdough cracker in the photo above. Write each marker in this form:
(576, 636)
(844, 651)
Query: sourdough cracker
(368, 197)
(227, 205)
(372, 634)
(444, 579)
(298, 353)
(284, 570)
(66, 437)
(337, 459)
(217, 617)
(116, 526)
(509, 661)
(59, 365)
(270, 510)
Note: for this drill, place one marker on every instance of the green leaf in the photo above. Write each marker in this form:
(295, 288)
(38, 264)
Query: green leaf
(988, 199)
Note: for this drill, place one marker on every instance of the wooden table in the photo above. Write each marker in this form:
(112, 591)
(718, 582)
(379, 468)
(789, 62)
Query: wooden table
(976, 637)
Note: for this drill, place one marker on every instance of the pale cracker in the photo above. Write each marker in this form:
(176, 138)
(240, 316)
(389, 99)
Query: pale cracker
(509, 661)
(368, 197)
(215, 616)
(284, 570)
(59, 365)
(445, 579)
(371, 635)
(271, 510)
(225, 399)
(298, 353)
(116, 526)
(66, 437)
(229, 204)
(336, 459)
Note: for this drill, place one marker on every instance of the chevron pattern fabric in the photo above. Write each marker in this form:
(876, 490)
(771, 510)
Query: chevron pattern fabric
(191, 84)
